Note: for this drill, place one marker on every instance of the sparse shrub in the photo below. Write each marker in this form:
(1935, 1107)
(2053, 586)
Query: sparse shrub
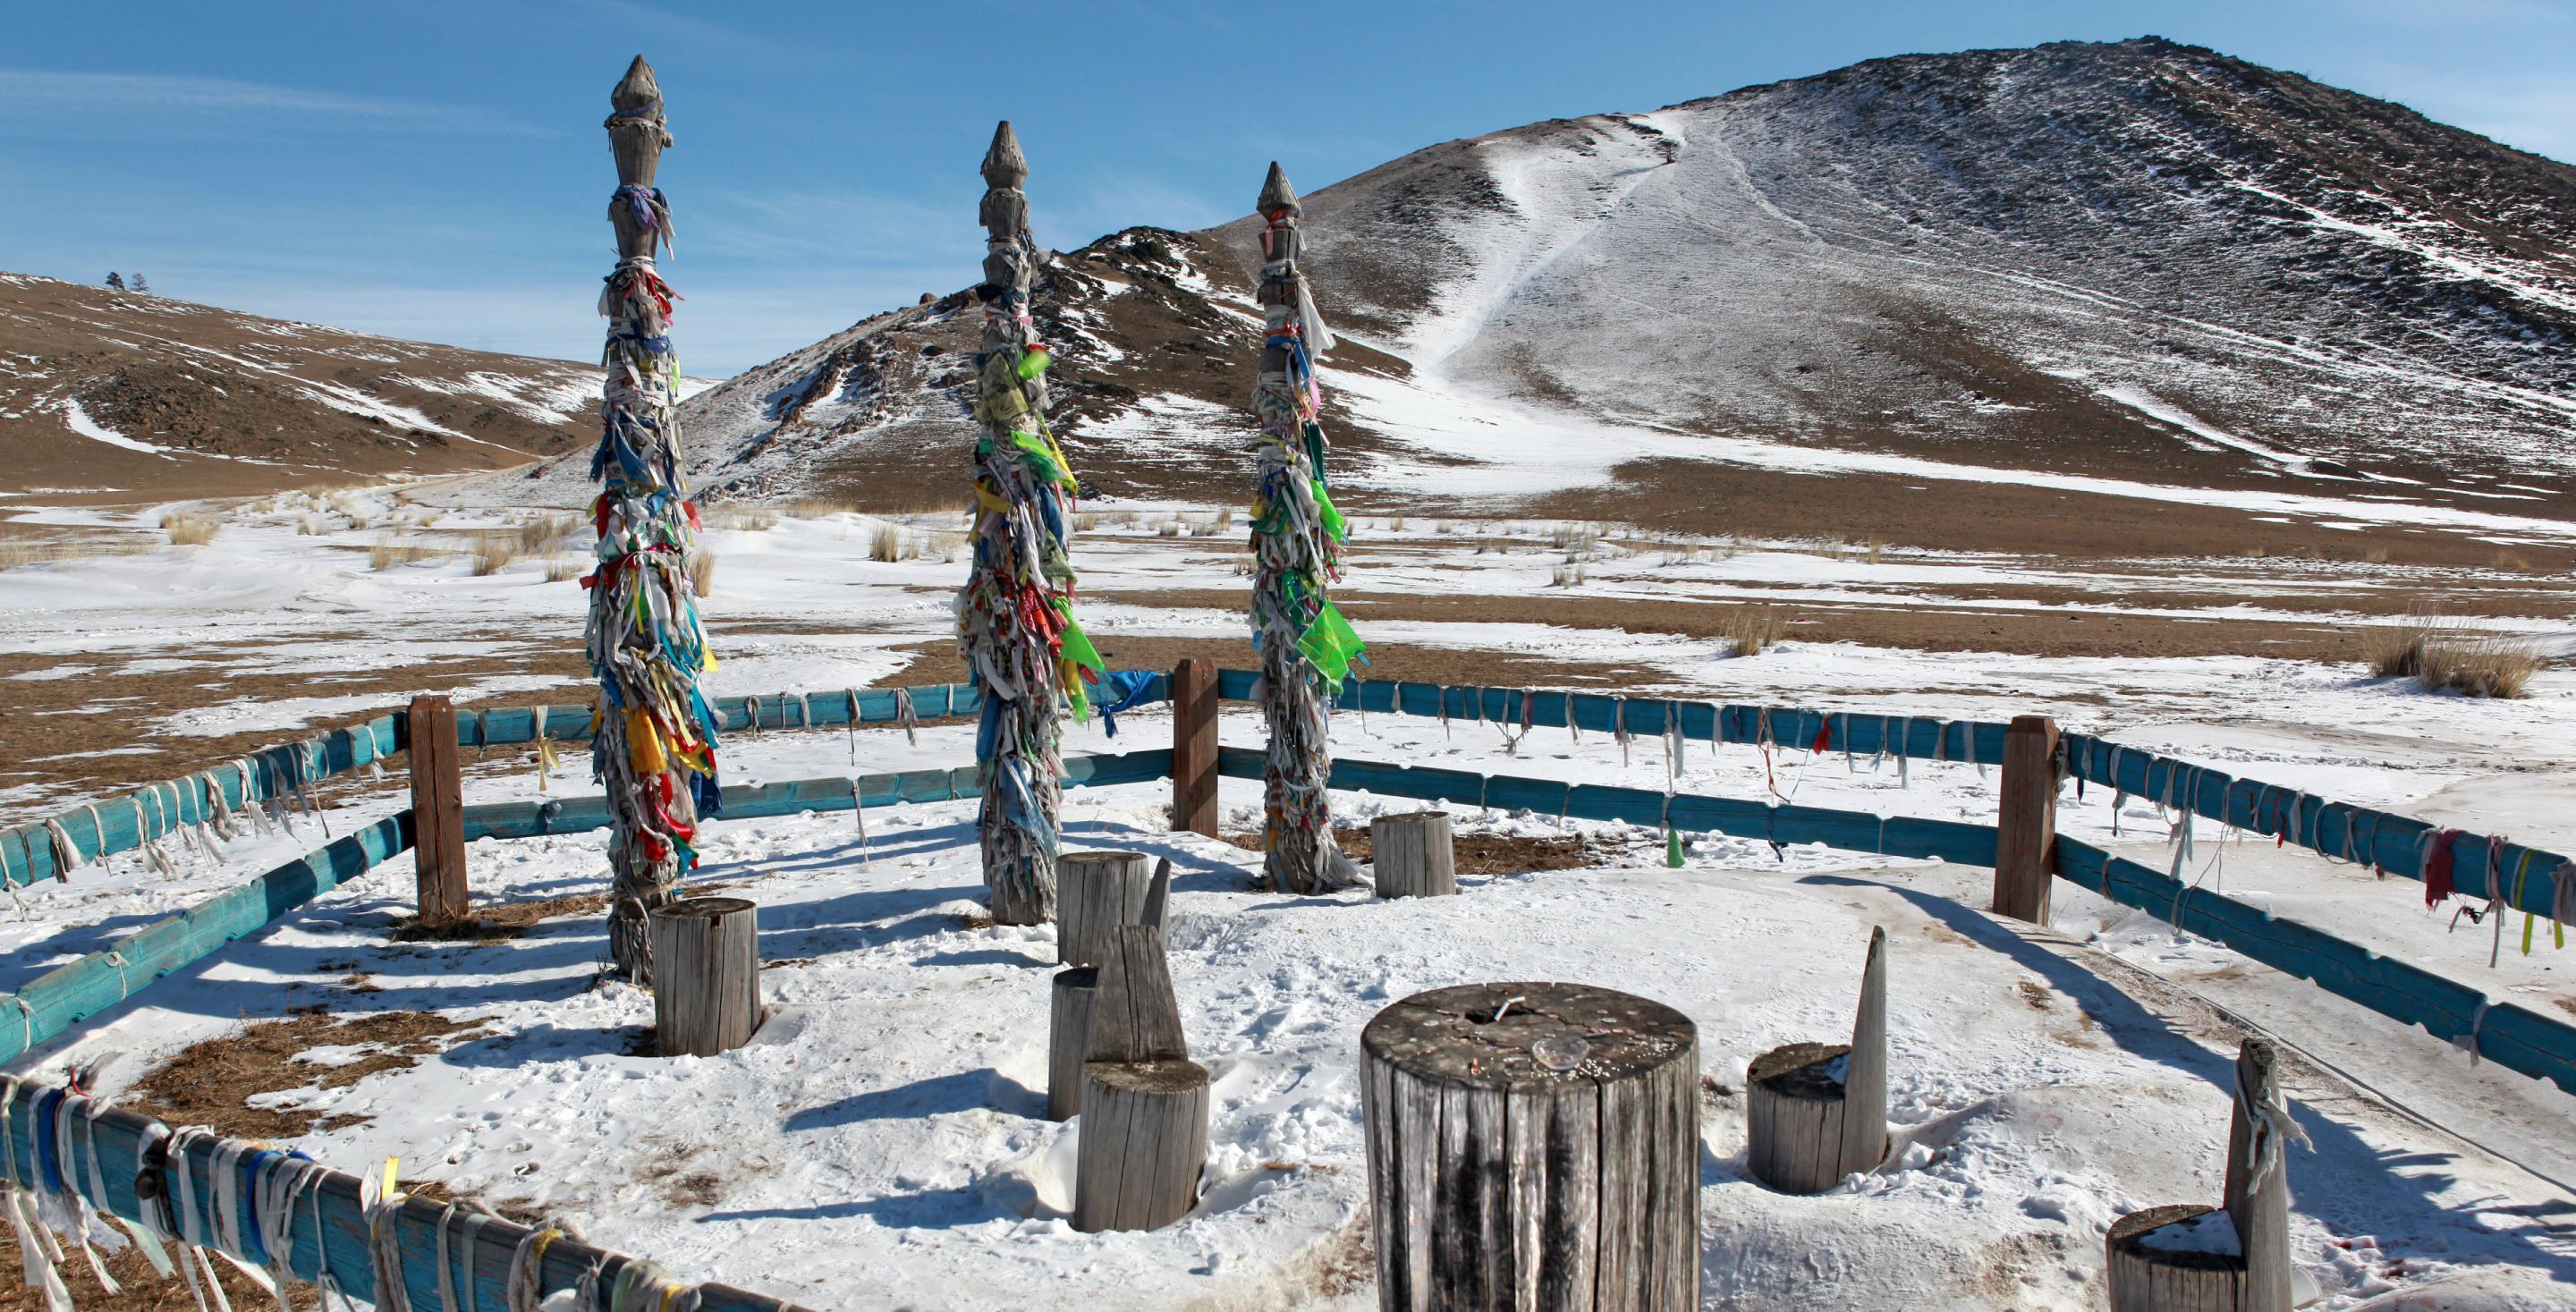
(312, 526)
(544, 531)
(702, 572)
(493, 553)
(1568, 575)
(562, 569)
(818, 508)
(189, 529)
(1395, 525)
(1086, 521)
(385, 553)
(2480, 664)
(1877, 547)
(1170, 528)
(2439, 654)
(1224, 518)
(2376, 555)
(748, 519)
(885, 546)
(1749, 630)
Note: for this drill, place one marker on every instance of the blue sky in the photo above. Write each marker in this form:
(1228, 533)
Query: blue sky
(438, 171)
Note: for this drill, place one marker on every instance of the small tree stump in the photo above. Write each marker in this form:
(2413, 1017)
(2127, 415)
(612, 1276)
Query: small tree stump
(1144, 1102)
(2185, 1269)
(1068, 1039)
(1415, 855)
(1095, 893)
(1143, 1144)
(1817, 1112)
(2235, 1258)
(706, 975)
(1540, 1154)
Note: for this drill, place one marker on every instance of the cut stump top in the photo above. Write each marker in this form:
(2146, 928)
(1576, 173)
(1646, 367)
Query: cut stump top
(1591, 1034)
(2130, 1232)
(1800, 1070)
(706, 908)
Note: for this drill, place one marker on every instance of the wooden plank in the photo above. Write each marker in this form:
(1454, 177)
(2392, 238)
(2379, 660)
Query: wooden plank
(2026, 821)
(1193, 685)
(1135, 1016)
(438, 812)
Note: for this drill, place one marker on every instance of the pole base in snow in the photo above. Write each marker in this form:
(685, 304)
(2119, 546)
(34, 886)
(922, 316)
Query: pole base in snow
(2157, 1261)
(1414, 854)
(1068, 1039)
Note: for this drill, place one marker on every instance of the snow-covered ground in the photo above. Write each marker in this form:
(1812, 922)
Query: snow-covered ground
(882, 1144)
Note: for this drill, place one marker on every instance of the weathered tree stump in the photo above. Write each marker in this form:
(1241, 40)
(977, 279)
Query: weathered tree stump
(1143, 1144)
(1095, 893)
(1069, 1039)
(1817, 1112)
(2233, 1258)
(1533, 1145)
(706, 975)
(1415, 855)
(1144, 1102)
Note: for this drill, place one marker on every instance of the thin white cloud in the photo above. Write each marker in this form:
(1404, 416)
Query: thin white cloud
(38, 93)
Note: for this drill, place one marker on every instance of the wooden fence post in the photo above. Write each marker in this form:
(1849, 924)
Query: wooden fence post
(437, 810)
(2026, 822)
(1194, 709)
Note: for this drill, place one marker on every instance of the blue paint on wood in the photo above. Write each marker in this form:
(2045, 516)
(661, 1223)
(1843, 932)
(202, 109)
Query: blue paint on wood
(79, 989)
(329, 1230)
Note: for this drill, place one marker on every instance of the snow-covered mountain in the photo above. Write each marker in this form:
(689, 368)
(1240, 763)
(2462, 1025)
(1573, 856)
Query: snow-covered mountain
(124, 395)
(2082, 268)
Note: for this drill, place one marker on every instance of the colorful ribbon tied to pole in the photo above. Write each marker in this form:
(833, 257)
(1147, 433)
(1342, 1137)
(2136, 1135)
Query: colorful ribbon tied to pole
(653, 736)
(1306, 647)
(1015, 624)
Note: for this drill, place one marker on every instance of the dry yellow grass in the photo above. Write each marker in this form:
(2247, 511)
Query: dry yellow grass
(541, 533)
(702, 572)
(493, 553)
(748, 519)
(1749, 630)
(386, 553)
(885, 546)
(818, 508)
(2440, 654)
(189, 529)
(563, 569)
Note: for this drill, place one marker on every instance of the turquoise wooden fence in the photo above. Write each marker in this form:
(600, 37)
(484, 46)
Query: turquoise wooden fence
(133, 1158)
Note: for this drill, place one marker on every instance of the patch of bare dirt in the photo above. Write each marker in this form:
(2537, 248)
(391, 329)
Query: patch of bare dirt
(211, 1082)
(142, 1291)
(507, 920)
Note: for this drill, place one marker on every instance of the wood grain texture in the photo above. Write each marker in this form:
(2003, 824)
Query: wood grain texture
(2026, 822)
(1069, 1038)
(2257, 1199)
(438, 811)
(1143, 1144)
(706, 975)
(1510, 1168)
(1414, 855)
(1097, 892)
(1193, 686)
(1136, 1017)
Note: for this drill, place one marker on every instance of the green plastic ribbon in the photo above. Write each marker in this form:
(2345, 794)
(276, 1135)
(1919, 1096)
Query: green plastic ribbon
(1077, 644)
(1331, 643)
(1032, 363)
(1334, 524)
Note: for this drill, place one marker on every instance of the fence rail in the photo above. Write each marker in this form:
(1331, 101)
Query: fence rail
(63, 1143)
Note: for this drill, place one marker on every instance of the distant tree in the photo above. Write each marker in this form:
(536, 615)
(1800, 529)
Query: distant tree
(114, 281)
(142, 286)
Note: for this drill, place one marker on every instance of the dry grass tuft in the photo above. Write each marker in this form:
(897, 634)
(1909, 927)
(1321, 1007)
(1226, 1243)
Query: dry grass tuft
(748, 519)
(702, 572)
(819, 508)
(1750, 630)
(2440, 654)
(885, 546)
(189, 529)
(1569, 574)
(539, 535)
(562, 569)
(386, 553)
(493, 553)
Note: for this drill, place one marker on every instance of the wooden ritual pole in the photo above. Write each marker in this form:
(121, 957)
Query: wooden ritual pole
(1306, 645)
(654, 752)
(2026, 820)
(1015, 623)
(1194, 744)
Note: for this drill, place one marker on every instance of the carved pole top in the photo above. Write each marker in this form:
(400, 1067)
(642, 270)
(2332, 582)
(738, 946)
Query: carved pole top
(637, 90)
(1004, 165)
(1276, 194)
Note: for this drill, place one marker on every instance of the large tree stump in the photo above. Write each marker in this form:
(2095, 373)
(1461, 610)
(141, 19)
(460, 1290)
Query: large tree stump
(1533, 1145)
(1817, 1112)
(1095, 893)
(706, 975)
(1415, 855)
(2235, 1258)
(1069, 1039)
(1144, 1102)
